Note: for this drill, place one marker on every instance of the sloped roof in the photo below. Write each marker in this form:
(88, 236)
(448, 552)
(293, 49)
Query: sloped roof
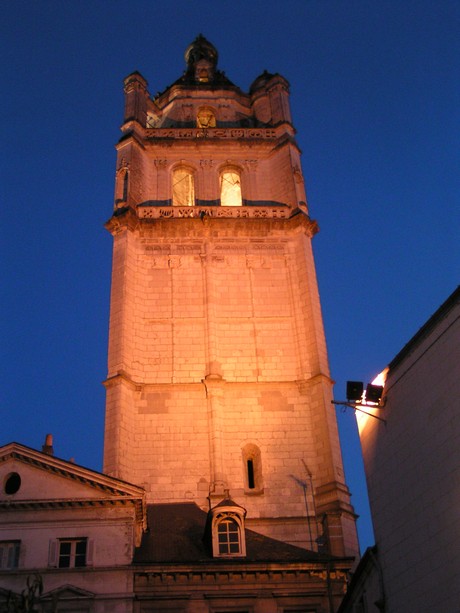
(445, 308)
(49, 482)
(70, 470)
(176, 536)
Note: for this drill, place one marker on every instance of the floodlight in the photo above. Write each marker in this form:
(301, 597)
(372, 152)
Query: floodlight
(374, 393)
(354, 391)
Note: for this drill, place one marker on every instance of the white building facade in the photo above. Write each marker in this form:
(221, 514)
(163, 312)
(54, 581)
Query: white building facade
(412, 465)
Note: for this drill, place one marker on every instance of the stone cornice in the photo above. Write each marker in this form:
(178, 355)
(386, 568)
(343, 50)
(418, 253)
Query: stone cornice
(142, 136)
(75, 503)
(245, 572)
(244, 216)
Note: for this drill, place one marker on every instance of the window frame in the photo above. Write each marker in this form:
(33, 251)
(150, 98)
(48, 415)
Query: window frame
(252, 469)
(10, 550)
(229, 538)
(189, 172)
(230, 170)
(222, 547)
(56, 555)
(73, 556)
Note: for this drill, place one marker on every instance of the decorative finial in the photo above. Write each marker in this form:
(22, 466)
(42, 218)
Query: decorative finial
(201, 49)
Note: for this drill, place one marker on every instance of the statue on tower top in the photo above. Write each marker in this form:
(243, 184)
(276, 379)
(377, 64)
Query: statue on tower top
(201, 57)
(201, 49)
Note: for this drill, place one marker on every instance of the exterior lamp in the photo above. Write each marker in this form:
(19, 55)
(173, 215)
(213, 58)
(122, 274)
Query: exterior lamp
(374, 393)
(355, 391)
(357, 398)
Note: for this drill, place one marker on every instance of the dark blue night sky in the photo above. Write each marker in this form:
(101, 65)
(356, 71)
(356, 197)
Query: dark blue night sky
(375, 98)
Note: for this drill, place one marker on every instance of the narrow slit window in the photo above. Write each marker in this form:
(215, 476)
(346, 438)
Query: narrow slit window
(125, 186)
(121, 185)
(252, 469)
(251, 482)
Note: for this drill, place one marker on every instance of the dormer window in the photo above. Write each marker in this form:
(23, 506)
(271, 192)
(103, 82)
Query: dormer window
(225, 530)
(229, 537)
(230, 188)
(183, 188)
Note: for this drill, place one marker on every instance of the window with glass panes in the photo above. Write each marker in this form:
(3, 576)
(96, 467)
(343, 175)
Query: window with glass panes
(9, 554)
(72, 553)
(229, 537)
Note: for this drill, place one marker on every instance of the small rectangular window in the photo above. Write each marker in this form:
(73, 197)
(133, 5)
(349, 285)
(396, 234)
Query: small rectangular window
(9, 554)
(72, 553)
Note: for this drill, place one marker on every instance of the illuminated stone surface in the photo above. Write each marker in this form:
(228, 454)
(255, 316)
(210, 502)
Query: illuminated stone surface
(216, 334)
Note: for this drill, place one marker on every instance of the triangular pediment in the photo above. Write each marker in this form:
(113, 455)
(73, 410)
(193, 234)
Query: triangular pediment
(41, 478)
(67, 592)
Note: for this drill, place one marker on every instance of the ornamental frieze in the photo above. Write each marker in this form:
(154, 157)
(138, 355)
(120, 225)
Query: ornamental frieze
(225, 133)
(150, 212)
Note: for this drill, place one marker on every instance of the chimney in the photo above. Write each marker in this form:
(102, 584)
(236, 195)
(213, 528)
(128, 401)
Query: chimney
(48, 446)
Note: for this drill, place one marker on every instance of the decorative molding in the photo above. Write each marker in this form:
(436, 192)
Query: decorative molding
(240, 573)
(214, 133)
(174, 261)
(250, 165)
(236, 212)
(255, 261)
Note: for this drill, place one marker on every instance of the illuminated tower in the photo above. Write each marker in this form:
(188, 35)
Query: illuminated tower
(218, 381)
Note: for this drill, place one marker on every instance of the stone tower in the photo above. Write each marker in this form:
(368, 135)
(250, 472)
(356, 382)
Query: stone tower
(218, 381)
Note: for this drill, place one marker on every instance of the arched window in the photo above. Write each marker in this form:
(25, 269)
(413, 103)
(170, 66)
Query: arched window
(183, 188)
(252, 467)
(230, 188)
(228, 534)
(122, 182)
(125, 186)
(225, 529)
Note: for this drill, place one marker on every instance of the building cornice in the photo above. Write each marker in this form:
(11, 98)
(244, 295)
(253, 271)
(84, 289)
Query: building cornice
(246, 572)
(74, 503)
(206, 217)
